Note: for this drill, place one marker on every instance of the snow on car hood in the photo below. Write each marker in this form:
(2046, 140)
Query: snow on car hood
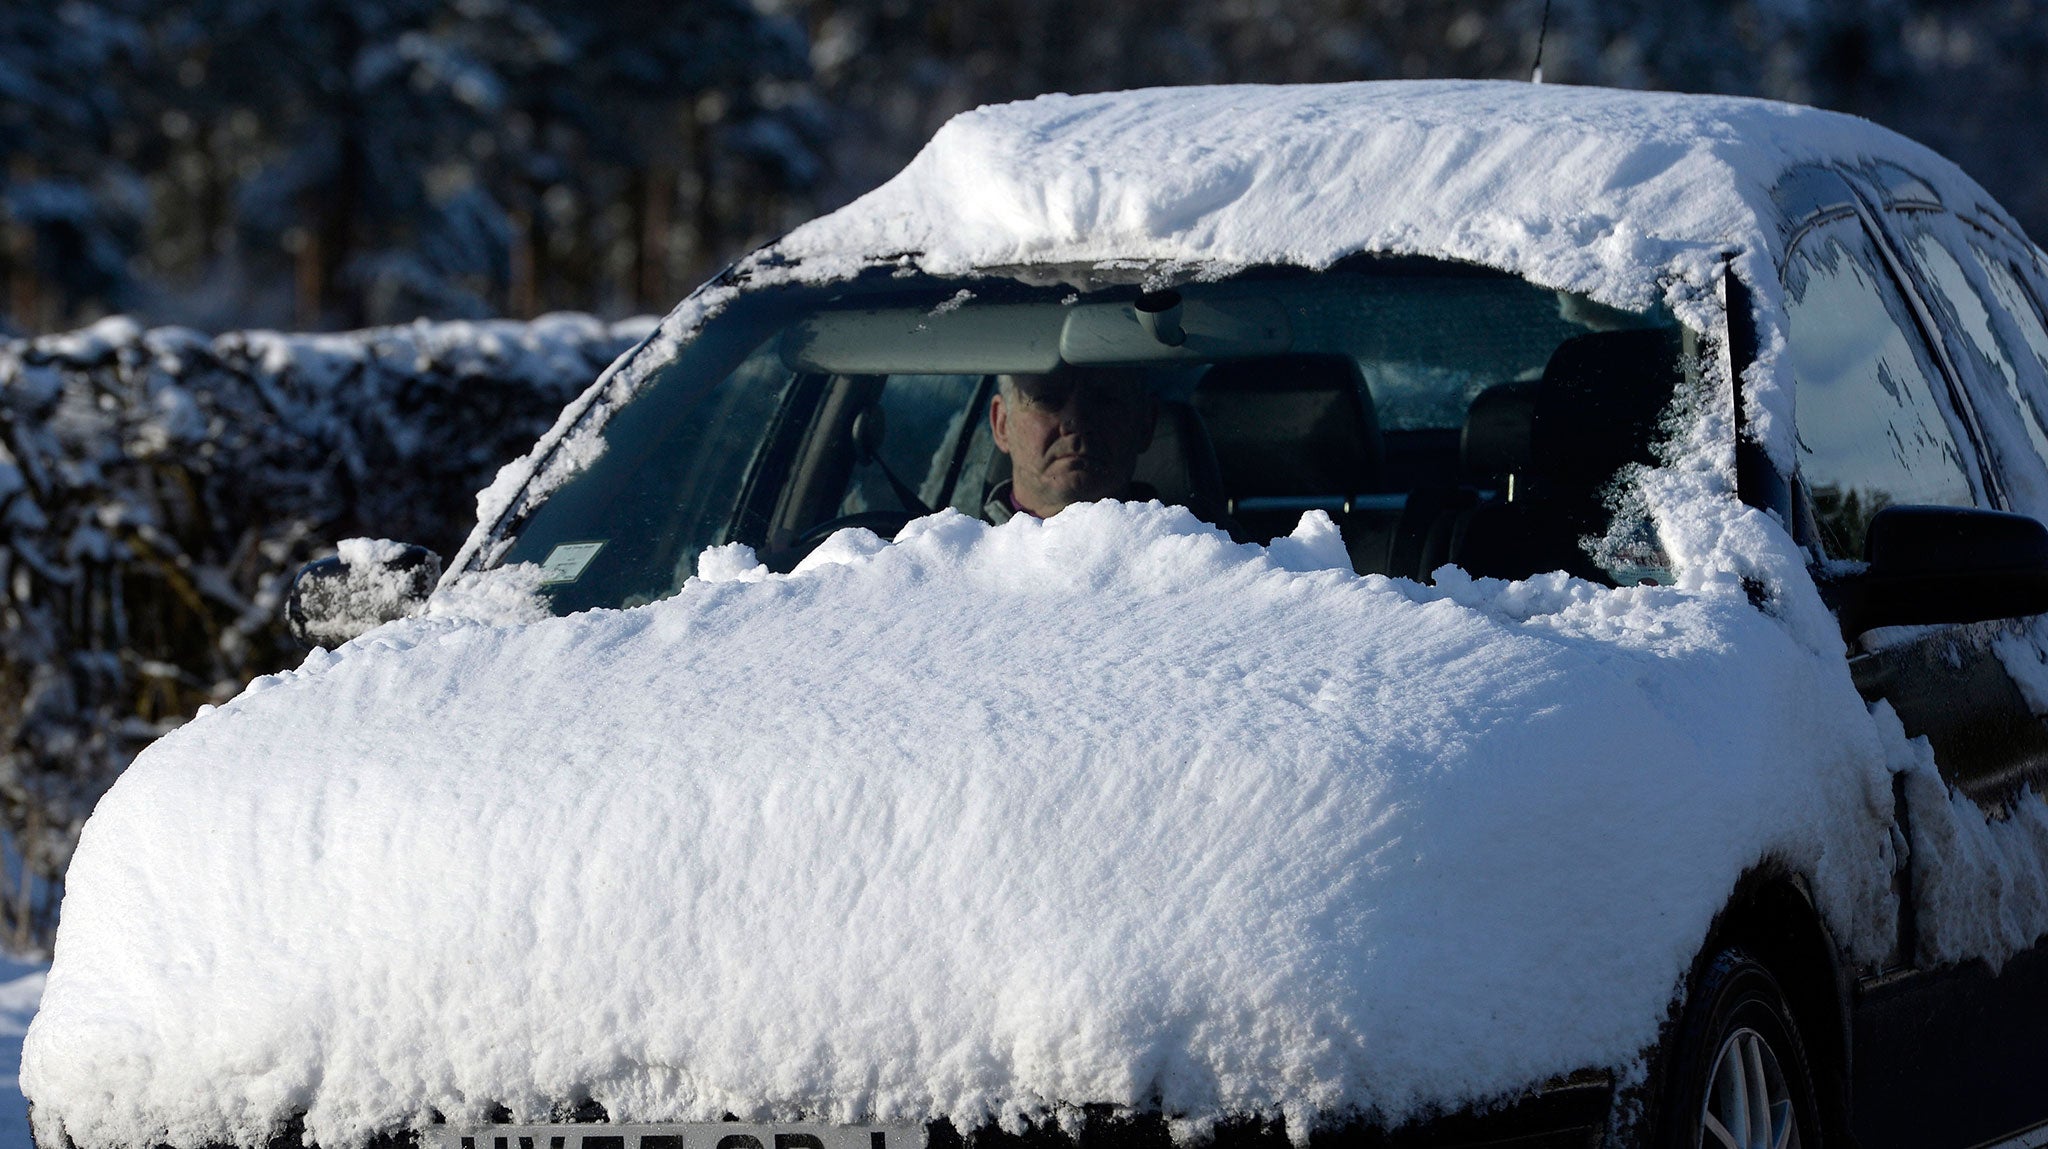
(984, 823)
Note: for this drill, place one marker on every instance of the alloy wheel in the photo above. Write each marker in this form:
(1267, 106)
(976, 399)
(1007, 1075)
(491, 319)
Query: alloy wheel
(1748, 1104)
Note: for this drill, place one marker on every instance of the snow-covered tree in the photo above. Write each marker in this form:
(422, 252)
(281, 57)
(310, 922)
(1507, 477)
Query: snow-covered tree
(69, 211)
(328, 163)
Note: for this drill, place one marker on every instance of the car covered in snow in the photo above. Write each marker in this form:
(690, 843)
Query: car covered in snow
(1575, 678)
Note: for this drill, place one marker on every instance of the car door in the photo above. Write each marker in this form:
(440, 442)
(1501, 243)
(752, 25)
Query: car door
(1960, 271)
(1883, 420)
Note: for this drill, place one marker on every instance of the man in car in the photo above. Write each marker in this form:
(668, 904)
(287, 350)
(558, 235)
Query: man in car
(1073, 435)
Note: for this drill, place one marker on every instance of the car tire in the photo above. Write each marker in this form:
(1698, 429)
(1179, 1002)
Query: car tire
(1737, 1054)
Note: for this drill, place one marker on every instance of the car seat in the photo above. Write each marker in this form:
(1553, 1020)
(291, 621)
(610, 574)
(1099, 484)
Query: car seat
(1291, 432)
(1596, 410)
(1181, 462)
(1493, 456)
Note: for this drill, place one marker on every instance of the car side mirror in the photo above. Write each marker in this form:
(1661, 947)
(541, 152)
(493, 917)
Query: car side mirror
(370, 583)
(1931, 565)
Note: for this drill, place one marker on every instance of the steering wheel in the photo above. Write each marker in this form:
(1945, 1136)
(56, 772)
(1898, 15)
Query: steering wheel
(883, 523)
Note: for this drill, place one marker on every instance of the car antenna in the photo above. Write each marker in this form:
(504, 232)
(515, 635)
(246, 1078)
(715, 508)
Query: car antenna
(1543, 29)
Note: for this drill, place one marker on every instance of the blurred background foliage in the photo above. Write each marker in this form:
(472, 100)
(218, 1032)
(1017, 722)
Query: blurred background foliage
(326, 164)
(158, 491)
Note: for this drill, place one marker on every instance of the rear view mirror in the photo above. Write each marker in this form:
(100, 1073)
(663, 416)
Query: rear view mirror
(1930, 565)
(1033, 338)
(370, 583)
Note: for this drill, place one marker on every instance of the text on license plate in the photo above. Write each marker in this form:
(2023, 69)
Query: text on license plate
(682, 1135)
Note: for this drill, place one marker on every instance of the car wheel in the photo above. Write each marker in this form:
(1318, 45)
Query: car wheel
(1739, 1075)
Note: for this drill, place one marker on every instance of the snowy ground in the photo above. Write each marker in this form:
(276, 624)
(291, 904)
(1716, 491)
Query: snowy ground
(21, 988)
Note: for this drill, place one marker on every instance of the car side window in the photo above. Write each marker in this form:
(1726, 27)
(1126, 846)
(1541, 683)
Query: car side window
(2025, 312)
(1873, 429)
(2001, 375)
(2017, 301)
(918, 443)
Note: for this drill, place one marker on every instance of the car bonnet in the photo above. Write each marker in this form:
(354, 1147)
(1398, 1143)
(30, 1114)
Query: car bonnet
(1103, 809)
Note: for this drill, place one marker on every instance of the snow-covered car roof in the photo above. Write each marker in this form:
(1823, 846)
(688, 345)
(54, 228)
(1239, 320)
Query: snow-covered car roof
(1589, 189)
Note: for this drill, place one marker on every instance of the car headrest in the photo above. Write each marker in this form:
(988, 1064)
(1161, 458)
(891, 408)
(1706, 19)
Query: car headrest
(1291, 425)
(1599, 407)
(1180, 464)
(1497, 439)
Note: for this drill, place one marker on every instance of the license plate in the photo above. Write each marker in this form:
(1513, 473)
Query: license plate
(682, 1135)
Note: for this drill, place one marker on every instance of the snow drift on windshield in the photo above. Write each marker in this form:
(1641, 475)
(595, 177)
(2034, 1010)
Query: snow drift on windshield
(984, 823)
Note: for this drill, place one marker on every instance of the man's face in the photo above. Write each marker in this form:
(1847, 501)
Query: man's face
(1072, 436)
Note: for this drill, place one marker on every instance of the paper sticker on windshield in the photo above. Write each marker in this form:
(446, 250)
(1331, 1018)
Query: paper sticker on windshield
(566, 562)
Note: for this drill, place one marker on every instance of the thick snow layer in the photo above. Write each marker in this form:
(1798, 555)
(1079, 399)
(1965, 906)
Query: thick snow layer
(982, 823)
(1596, 190)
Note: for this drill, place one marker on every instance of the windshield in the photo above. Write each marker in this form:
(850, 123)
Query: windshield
(1438, 412)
